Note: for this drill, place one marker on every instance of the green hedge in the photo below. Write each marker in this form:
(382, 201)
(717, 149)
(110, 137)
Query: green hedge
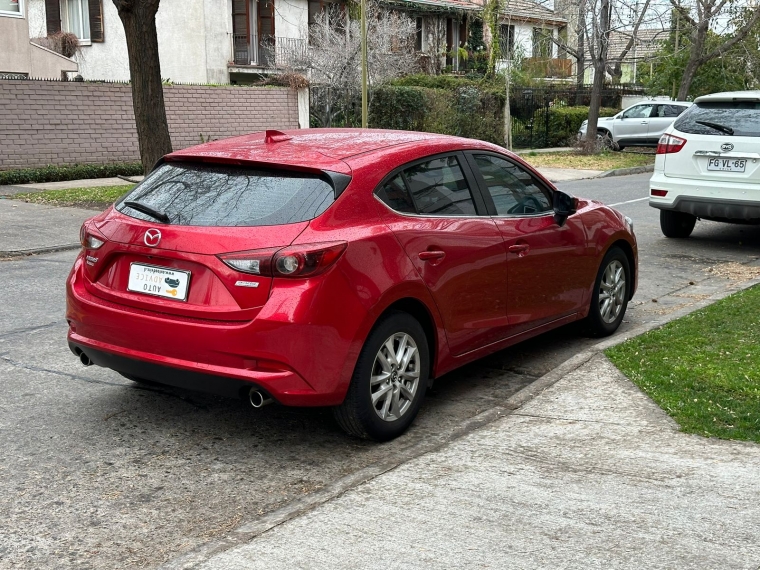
(74, 172)
(467, 111)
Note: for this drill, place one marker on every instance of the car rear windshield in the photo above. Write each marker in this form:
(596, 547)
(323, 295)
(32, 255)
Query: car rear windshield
(743, 117)
(216, 195)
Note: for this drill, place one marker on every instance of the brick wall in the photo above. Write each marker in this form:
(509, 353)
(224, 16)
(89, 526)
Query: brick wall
(45, 122)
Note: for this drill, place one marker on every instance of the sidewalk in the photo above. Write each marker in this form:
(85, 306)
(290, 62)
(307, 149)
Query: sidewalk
(35, 228)
(86, 183)
(589, 474)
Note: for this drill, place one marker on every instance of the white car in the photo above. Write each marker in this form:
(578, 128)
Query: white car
(641, 124)
(708, 164)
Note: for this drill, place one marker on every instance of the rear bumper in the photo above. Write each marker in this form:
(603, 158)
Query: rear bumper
(297, 363)
(710, 200)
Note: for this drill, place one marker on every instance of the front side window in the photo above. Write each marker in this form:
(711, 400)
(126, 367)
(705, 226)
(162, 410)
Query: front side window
(439, 188)
(513, 190)
(11, 8)
(224, 196)
(638, 112)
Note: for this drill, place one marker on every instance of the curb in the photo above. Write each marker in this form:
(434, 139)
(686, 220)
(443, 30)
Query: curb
(38, 250)
(626, 171)
(251, 529)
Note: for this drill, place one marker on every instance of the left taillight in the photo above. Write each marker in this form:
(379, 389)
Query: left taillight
(669, 144)
(304, 260)
(90, 239)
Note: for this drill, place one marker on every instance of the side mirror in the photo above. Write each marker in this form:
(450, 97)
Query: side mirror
(565, 206)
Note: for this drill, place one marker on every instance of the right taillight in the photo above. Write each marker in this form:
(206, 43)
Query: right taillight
(669, 144)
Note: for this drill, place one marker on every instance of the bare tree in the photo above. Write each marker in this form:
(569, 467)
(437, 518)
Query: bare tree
(333, 56)
(702, 16)
(139, 20)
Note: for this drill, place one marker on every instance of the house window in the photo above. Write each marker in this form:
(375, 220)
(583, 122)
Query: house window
(75, 18)
(418, 37)
(506, 41)
(83, 18)
(542, 43)
(11, 8)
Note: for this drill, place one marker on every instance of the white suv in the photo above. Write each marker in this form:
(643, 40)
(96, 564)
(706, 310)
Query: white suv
(708, 164)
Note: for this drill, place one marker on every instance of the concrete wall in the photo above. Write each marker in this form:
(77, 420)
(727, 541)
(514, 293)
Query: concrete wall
(59, 123)
(19, 55)
(14, 57)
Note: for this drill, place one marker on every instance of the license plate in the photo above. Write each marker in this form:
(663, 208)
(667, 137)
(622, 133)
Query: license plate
(727, 164)
(158, 281)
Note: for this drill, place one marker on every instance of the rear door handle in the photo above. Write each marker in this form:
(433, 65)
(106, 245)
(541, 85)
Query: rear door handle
(519, 248)
(431, 255)
(644, 122)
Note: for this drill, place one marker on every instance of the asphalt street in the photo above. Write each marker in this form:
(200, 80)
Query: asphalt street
(98, 472)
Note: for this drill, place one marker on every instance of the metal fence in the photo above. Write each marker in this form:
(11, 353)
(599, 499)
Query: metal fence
(530, 109)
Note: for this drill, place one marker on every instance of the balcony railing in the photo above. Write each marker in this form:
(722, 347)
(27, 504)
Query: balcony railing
(268, 51)
(548, 67)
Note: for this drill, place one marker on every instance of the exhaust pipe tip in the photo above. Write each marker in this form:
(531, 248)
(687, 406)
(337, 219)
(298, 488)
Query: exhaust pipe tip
(258, 399)
(84, 359)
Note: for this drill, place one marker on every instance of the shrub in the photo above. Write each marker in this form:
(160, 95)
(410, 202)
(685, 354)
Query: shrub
(564, 123)
(467, 111)
(74, 172)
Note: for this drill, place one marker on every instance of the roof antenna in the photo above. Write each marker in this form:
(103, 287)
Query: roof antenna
(272, 136)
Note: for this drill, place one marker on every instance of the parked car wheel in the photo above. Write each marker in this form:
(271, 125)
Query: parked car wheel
(605, 139)
(611, 293)
(676, 224)
(389, 380)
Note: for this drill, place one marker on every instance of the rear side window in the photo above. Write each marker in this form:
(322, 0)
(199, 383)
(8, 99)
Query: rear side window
(439, 188)
(743, 117)
(395, 194)
(216, 195)
(669, 110)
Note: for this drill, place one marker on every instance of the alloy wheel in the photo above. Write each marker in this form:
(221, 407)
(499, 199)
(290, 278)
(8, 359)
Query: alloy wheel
(612, 291)
(395, 377)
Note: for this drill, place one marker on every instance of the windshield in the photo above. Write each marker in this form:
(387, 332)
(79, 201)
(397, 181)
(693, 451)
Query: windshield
(216, 195)
(741, 116)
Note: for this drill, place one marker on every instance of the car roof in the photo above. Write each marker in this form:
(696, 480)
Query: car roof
(729, 97)
(323, 149)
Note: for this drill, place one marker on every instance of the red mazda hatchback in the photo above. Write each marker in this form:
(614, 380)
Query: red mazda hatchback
(343, 268)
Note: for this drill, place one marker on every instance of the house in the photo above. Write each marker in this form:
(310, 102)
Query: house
(646, 44)
(199, 41)
(19, 56)
(238, 41)
(529, 32)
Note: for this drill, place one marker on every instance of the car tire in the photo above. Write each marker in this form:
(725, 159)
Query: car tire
(366, 414)
(605, 139)
(609, 299)
(676, 224)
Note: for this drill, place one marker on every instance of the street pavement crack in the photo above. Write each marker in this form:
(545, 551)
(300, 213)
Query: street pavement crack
(562, 418)
(31, 368)
(30, 329)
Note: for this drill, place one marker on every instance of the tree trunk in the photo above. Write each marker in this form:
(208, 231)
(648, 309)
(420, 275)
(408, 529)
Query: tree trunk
(139, 20)
(581, 60)
(600, 66)
(698, 39)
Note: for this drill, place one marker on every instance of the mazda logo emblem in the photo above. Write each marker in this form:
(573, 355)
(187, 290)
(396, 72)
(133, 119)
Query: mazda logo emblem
(152, 237)
(726, 147)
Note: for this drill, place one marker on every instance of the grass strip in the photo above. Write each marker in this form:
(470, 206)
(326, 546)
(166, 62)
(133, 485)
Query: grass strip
(603, 161)
(703, 369)
(95, 197)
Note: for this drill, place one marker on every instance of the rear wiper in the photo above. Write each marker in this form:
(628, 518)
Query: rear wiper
(717, 127)
(160, 216)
